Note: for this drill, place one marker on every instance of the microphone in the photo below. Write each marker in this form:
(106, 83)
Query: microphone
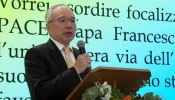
(82, 50)
(81, 47)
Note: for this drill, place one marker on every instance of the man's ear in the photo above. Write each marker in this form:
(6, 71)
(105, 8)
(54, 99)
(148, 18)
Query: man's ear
(48, 27)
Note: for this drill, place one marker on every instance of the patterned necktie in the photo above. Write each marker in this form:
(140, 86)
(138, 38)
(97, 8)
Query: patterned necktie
(68, 57)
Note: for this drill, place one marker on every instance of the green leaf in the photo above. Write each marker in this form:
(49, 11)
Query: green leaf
(91, 93)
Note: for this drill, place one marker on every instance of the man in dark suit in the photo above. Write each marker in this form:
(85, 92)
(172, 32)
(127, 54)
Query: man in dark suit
(48, 74)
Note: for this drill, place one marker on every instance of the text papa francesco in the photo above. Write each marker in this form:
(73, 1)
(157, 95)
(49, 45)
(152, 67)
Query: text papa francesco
(143, 37)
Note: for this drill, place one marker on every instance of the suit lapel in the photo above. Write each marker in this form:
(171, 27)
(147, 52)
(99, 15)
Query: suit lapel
(57, 56)
(76, 52)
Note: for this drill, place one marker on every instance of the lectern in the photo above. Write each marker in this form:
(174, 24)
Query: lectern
(128, 80)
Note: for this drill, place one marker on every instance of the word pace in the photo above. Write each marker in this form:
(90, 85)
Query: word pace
(31, 27)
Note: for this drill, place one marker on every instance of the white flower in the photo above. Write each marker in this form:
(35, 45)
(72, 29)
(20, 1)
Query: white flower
(107, 87)
(105, 83)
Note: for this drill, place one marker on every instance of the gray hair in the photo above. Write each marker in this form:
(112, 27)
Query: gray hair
(48, 16)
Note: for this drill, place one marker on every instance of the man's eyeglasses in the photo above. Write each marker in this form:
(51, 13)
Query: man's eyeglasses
(64, 20)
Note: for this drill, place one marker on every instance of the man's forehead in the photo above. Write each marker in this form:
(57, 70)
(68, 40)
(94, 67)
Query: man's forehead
(62, 10)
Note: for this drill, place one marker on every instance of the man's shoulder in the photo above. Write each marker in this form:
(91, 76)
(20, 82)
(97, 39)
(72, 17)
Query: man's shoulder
(40, 48)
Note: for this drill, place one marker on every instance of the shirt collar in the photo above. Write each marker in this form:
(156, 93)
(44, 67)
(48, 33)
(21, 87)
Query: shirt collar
(59, 45)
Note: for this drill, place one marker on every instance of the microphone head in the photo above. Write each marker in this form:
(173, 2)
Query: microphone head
(80, 43)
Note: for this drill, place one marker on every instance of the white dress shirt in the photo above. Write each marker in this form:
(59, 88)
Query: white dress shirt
(60, 47)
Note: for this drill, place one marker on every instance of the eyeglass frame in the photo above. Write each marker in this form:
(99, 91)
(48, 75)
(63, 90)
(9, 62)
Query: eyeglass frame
(67, 19)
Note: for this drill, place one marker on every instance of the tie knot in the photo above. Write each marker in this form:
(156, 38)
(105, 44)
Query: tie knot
(67, 50)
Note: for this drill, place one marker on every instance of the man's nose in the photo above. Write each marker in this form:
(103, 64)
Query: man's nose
(69, 24)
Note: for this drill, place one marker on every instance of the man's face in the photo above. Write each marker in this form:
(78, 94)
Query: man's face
(62, 27)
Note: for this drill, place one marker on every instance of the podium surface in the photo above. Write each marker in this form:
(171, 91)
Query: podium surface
(127, 80)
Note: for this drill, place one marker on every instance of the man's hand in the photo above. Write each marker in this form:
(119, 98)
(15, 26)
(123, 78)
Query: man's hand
(83, 61)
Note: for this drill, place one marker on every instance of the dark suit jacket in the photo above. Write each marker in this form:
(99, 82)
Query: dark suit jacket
(47, 75)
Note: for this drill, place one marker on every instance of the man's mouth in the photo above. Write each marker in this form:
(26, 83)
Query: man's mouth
(68, 33)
